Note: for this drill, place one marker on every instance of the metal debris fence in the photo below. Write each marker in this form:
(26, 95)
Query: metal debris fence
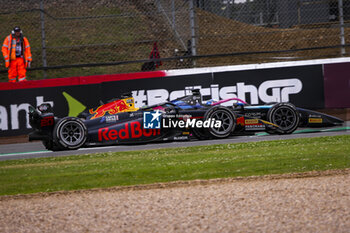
(75, 38)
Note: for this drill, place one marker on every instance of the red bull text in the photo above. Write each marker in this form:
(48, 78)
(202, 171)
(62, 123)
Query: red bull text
(130, 130)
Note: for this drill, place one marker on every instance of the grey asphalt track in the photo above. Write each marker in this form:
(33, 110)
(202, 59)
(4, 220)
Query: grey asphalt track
(37, 150)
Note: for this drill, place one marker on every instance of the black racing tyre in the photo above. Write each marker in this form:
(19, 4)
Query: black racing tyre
(51, 145)
(285, 116)
(227, 118)
(70, 133)
(201, 134)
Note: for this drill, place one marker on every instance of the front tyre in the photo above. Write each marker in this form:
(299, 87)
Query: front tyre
(285, 116)
(201, 134)
(70, 133)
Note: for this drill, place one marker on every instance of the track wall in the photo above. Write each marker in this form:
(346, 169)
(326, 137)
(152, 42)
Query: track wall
(313, 85)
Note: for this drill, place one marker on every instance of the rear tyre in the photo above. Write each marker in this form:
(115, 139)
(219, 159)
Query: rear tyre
(285, 116)
(51, 145)
(70, 133)
(227, 118)
(201, 134)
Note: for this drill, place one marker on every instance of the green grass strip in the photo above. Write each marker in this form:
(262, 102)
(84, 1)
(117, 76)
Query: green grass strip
(201, 162)
(310, 130)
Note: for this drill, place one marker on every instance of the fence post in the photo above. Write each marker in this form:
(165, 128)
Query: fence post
(177, 35)
(193, 30)
(158, 5)
(173, 12)
(42, 19)
(299, 12)
(341, 22)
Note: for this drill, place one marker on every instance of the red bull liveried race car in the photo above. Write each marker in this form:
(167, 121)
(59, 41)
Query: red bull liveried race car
(185, 118)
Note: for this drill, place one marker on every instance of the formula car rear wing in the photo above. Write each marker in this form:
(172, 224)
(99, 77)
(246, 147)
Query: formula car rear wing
(42, 120)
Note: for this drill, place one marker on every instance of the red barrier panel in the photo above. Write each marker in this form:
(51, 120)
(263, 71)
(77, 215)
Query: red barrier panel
(80, 80)
(118, 77)
(40, 83)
